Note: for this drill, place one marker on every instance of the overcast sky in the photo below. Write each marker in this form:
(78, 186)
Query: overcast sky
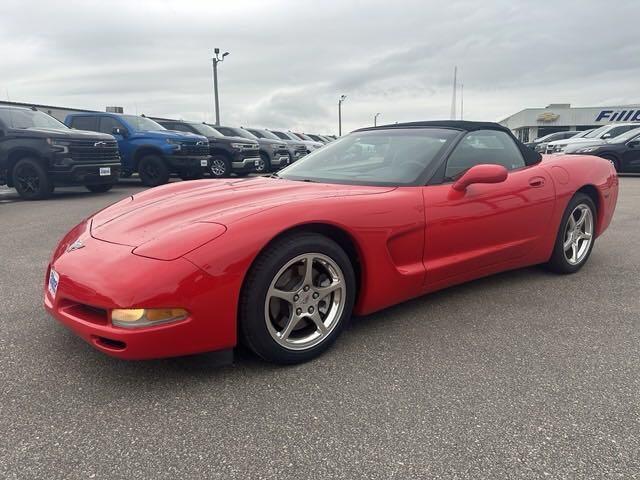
(290, 60)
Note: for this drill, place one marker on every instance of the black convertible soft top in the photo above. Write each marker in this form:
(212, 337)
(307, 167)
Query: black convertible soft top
(531, 157)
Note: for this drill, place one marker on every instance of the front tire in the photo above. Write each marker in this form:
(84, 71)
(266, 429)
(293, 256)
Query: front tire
(297, 298)
(100, 188)
(576, 235)
(264, 166)
(31, 180)
(220, 166)
(153, 171)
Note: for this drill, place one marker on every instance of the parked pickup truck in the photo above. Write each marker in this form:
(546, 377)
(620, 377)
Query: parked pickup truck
(148, 148)
(228, 154)
(39, 153)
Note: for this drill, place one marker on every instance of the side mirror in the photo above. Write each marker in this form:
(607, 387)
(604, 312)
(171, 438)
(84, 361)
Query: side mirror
(119, 131)
(634, 144)
(484, 173)
(606, 135)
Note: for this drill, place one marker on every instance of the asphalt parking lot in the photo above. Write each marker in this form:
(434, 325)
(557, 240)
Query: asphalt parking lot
(521, 375)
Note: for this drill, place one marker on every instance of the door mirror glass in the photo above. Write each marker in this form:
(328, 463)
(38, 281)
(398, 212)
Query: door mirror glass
(606, 135)
(484, 173)
(119, 131)
(634, 143)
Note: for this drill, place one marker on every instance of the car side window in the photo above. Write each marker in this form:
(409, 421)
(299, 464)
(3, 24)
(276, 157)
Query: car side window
(85, 123)
(107, 124)
(180, 127)
(484, 147)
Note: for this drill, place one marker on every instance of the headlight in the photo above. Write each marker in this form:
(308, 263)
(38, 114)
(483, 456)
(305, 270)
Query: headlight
(587, 149)
(61, 146)
(146, 317)
(177, 144)
(240, 146)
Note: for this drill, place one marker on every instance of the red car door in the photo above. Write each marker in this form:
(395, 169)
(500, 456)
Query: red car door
(486, 227)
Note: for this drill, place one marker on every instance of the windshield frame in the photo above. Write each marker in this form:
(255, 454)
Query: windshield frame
(422, 180)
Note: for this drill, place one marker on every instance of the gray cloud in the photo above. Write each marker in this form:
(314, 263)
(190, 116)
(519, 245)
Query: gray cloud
(290, 61)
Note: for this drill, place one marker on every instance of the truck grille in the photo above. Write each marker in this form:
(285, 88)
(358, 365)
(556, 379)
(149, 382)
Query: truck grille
(194, 150)
(97, 151)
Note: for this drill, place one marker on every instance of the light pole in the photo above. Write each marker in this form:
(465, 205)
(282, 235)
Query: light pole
(342, 99)
(375, 119)
(217, 59)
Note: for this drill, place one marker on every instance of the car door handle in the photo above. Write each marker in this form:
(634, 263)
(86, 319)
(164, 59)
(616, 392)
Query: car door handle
(536, 182)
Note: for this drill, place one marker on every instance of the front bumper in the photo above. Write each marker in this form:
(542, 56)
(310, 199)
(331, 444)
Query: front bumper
(180, 163)
(85, 174)
(102, 276)
(280, 159)
(246, 164)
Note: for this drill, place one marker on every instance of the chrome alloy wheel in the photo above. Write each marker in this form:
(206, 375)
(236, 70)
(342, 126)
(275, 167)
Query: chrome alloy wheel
(305, 301)
(218, 167)
(578, 234)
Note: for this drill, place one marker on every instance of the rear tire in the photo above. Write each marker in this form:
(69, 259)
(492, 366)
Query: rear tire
(576, 236)
(100, 188)
(153, 171)
(317, 302)
(31, 180)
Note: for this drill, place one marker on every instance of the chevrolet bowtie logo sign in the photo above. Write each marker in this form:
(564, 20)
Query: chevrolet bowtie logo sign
(548, 117)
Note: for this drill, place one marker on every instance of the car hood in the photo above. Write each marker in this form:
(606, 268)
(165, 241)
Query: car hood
(236, 140)
(173, 209)
(65, 133)
(587, 143)
(569, 141)
(172, 134)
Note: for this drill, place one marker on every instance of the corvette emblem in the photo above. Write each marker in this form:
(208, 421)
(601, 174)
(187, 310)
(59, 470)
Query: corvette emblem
(77, 245)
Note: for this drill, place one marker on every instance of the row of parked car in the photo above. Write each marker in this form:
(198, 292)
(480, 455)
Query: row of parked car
(618, 142)
(38, 153)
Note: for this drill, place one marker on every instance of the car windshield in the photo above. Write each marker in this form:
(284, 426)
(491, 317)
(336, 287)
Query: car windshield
(597, 132)
(206, 130)
(142, 124)
(262, 133)
(19, 118)
(625, 137)
(582, 134)
(377, 157)
(283, 135)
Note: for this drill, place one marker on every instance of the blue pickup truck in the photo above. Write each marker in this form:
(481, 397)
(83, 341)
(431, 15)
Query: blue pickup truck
(148, 148)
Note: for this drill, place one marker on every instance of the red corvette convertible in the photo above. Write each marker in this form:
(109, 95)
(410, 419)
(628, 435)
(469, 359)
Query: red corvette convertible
(282, 262)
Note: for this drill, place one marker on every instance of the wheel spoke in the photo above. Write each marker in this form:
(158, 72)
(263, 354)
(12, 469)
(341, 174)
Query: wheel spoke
(308, 271)
(567, 243)
(281, 294)
(574, 252)
(320, 326)
(585, 235)
(324, 291)
(291, 324)
(583, 215)
(572, 222)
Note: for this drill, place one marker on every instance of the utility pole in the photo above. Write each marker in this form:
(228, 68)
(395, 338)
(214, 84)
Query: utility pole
(375, 119)
(342, 99)
(461, 101)
(453, 99)
(217, 59)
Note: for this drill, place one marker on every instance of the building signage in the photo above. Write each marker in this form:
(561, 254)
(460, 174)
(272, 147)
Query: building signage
(548, 117)
(618, 116)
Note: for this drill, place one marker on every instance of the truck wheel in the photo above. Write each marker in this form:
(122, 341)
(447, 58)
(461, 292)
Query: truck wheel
(264, 166)
(153, 171)
(100, 188)
(31, 180)
(220, 166)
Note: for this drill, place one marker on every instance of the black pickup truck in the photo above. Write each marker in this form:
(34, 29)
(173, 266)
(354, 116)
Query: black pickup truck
(39, 153)
(235, 154)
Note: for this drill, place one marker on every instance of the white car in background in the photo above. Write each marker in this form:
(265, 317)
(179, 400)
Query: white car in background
(596, 136)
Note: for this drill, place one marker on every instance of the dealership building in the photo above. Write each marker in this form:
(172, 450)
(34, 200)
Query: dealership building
(532, 123)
